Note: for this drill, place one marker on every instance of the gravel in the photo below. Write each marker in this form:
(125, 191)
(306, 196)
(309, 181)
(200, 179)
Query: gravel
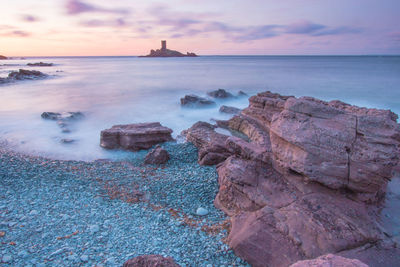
(75, 213)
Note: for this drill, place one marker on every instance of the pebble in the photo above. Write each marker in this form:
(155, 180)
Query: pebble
(84, 258)
(6, 258)
(201, 211)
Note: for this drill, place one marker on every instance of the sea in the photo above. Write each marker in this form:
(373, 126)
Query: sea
(121, 90)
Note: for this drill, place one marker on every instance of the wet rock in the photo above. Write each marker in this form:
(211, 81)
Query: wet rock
(229, 110)
(64, 116)
(220, 93)
(67, 141)
(241, 93)
(328, 261)
(157, 156)
(40, 64)
(151, 261)
(210, 144)
(135, 136)
(196, 101)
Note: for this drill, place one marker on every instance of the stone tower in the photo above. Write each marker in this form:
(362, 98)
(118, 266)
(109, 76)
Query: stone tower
(163, 45)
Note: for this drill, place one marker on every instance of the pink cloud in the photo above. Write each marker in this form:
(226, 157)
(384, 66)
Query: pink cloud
(75, 7)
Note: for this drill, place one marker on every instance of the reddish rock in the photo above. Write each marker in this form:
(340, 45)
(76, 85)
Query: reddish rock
(135, 136)
(307, 179)
(151, 261)
(338, 145)
(196, 101)
(210, 144)
(157, 156)
(229, 110)
(330, 260)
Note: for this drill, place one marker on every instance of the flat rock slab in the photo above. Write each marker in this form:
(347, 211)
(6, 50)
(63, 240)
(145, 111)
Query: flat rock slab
(135, 136)
(151, 261)
(330, 260)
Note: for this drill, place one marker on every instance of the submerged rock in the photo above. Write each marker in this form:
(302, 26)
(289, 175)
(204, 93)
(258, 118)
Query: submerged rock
(220, 93)
(308, 180)
(196, 101)
(62, 116)
(157, 156)
(40, 64)
(229, 110)
(151, 261)
(135, 136)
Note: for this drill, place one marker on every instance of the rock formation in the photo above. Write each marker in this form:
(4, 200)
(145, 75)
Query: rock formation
(308, 180)
(158, 155)
(64, 119)
(164, 52)
(196, 101)
(3, 57)
(151, 261)
(135, 136)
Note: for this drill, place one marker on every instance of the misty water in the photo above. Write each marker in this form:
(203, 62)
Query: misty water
(119, 90)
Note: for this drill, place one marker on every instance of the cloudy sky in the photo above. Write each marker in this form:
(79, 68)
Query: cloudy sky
(208, 27)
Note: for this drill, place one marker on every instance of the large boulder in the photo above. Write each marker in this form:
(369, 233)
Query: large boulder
(196, 101)
(135, 136)
(210, 144)
(151, 261)
(158, 155)
(330, 260)
(337, 145)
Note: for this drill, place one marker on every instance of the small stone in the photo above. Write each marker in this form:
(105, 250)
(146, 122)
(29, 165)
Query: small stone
(6, 258)
(94, 228)
(84, 258)
(33, 212)
(201, 211)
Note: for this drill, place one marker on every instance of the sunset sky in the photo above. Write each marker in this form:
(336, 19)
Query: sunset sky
(207, 27)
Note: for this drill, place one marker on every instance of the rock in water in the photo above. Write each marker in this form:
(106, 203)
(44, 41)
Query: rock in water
(25, 75)
(201, 211)
(229, 110)
(220, 93)
(151, 261)
(40, 64)
(196, 101)
(157, 156)
(330, 260)
(135, 136)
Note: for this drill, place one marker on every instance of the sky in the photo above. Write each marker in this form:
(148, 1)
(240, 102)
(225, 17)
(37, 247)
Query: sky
(206, 27)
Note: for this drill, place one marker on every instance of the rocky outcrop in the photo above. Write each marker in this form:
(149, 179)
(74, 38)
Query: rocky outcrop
(40, 64)
(151, 261)
(23, 75)
(220, 93)
(210, 144)
(3, 57)
(196, 101)
(330, 260)
(135, 136)
(168, 53)
(308, 179)
(229, 110)
(157, 156)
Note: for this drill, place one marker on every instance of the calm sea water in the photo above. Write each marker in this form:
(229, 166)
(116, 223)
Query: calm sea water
(117, 90)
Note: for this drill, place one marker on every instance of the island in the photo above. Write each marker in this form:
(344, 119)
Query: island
(164, 52)
(3, 57)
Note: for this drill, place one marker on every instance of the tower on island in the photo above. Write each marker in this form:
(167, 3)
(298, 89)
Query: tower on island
(163, 45)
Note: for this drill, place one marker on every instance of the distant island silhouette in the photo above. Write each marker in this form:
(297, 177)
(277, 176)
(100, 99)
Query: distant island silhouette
(164, 52)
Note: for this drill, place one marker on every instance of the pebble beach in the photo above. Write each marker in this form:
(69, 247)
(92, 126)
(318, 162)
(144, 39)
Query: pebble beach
(101, 213)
